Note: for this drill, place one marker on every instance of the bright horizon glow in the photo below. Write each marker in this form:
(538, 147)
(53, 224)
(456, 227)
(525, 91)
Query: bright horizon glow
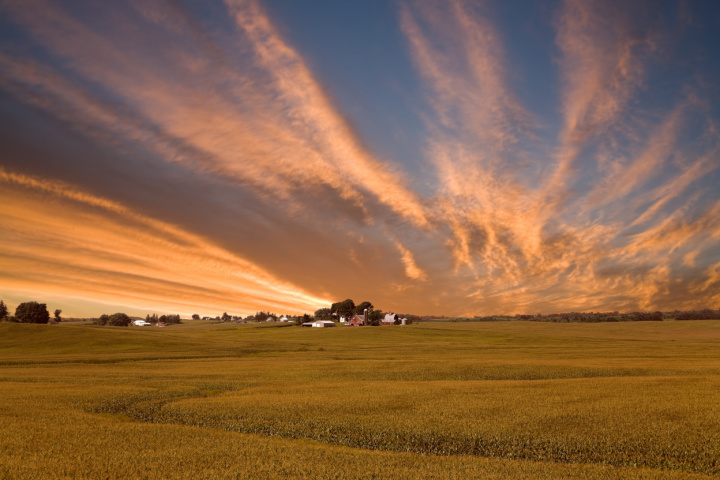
(443, 157)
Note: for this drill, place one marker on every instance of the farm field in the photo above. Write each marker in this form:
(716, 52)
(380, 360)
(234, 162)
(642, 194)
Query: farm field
(435, 400)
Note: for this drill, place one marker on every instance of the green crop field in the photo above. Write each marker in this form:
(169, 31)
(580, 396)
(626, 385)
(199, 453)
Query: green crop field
(437, 400)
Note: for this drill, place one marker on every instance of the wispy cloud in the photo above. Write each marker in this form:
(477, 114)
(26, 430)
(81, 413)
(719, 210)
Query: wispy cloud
(408, 259)
(668, 191)
(477, 124)
(626, 176)
(602, 65)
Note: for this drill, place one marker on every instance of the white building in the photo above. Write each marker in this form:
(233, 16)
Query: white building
(319, 324)
(389, 319)
(324, 323)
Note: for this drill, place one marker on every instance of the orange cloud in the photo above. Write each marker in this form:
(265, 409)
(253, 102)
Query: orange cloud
(411, 269)
(86, 246)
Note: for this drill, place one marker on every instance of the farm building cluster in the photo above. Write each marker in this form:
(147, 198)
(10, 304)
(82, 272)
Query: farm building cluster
(358, 320)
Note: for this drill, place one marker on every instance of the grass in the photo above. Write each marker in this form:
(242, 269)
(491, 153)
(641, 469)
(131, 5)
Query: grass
(439, 400)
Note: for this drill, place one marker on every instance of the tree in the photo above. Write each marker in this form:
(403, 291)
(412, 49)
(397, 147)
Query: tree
(196, 316)
(376, 317)
(323, 314)
(3, 311)
(225, 317)
(32, 312)
(172, 319)
(343, 309)
(360, 309)
(118, 320)
(57, 315)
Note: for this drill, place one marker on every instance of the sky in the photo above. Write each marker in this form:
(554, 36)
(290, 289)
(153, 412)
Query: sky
(431, 157)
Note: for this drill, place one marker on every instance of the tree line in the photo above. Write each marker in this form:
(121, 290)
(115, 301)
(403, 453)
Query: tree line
(30, 312)
(601, 317)
(166, 319)
(34, 312)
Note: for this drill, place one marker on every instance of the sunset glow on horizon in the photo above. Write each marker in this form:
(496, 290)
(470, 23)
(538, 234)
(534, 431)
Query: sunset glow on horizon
(442, 157)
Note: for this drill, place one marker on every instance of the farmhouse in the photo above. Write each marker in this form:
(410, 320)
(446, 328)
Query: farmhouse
(141, 323)
(357, 320)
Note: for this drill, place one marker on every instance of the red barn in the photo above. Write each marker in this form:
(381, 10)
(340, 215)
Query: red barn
(357, 320)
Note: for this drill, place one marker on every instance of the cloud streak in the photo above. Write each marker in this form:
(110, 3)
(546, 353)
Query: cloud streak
(128, 255)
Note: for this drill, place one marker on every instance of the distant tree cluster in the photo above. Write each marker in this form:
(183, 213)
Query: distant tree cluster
(578, 317)
(166, 319)
(28, 312)
(705, 314)
(598, 317)
(304, 318)
(114, 320)
(262, 316)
